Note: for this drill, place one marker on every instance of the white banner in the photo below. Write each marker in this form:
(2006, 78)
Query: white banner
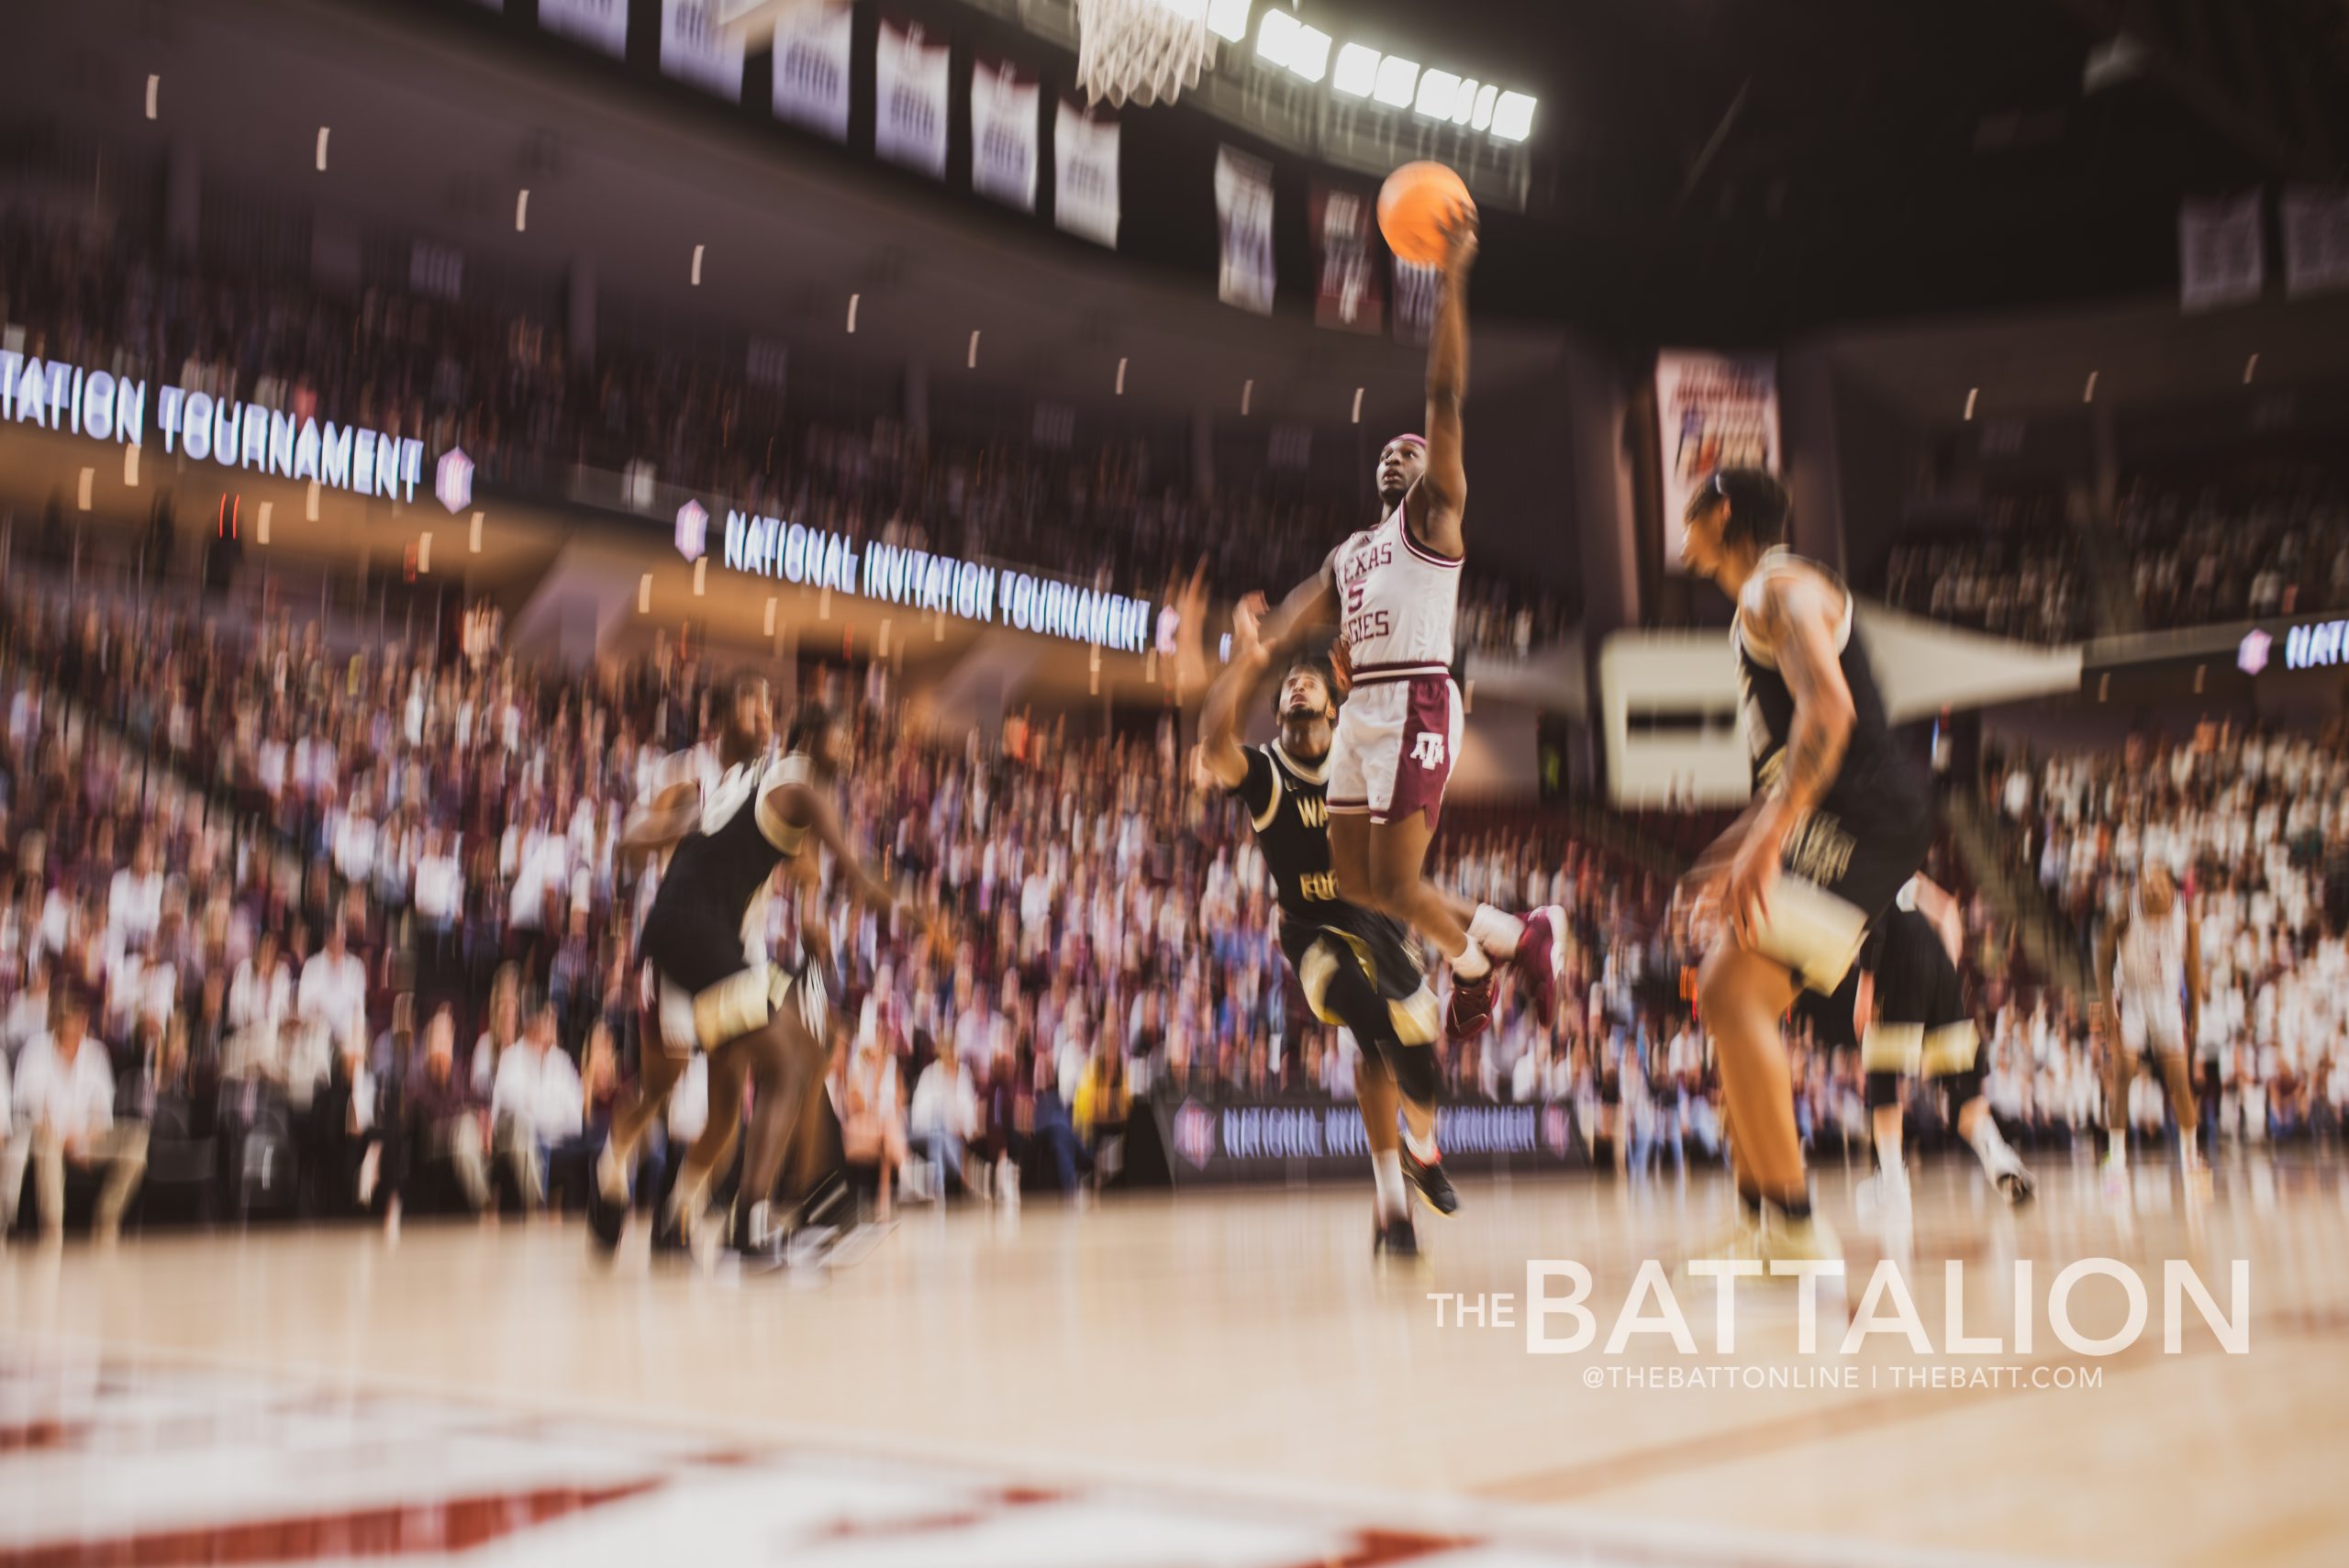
(1244, 215)
(1084, 166)
(1712, 411)
(2221, 252)
(811, 59)
(910, 98)
(694, 49)
(598, 23)
(1415, 291)
(2316, 241)
(1004, 101)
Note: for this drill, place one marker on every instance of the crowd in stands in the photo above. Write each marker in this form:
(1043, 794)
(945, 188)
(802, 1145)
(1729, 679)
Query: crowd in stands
(2242, 550)
(2018, 576)
(2255, 828)
(505, 389)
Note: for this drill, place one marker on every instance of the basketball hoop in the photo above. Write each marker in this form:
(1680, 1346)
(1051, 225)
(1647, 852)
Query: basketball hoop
(1148, 50)
(749, 22)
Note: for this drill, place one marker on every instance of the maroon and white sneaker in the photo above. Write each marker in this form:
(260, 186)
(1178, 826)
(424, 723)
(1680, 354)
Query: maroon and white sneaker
(1471, 1013)
(1540, 960)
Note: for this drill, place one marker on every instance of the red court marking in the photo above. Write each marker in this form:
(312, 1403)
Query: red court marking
(457, 1524)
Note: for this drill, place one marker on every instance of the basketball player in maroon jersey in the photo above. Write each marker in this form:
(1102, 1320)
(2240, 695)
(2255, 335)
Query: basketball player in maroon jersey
(1391, 591)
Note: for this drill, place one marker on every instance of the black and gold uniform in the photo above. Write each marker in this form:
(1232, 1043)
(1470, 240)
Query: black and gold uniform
(712, 981)
(1288, 805)
(1845, 861)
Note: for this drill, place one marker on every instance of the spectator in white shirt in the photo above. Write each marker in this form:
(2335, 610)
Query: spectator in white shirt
(537, 1104)
(945, 1115)
(28, 1015)
(334, 994)
(135, 900)
(62, 1106)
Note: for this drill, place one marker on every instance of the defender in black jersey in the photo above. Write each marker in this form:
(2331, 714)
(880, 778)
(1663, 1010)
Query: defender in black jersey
(682, 784)
(712, 988)
(1358, 968)
(1912, 1019)
(1840, 819)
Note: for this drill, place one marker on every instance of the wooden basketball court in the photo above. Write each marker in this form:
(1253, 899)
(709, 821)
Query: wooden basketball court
(1220, 1379)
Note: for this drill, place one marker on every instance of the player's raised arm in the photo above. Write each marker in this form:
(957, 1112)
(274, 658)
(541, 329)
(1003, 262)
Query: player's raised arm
(1441, 500)
(1219, 750)
(1310, 606)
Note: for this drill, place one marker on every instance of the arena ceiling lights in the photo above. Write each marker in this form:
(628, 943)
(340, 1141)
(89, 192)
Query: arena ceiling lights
(1398, 83)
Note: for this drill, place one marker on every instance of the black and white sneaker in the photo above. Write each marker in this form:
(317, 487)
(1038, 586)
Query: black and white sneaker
(1427, 1178)
(1396, 1241)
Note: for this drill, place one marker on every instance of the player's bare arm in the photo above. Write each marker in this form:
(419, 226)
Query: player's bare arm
(1437, 502)
(1797, 616)
(2194, 980)
(655, 826)
(1311, 606)
(812, 809)
(1220, 749)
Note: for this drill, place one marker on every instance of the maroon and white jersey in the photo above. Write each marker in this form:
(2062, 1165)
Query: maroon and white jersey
(1397, 600)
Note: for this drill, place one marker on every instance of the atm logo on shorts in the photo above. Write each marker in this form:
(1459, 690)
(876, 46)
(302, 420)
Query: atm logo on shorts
(1428, 750)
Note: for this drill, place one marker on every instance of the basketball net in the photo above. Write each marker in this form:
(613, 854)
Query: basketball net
(749, 22)
(1148, 50)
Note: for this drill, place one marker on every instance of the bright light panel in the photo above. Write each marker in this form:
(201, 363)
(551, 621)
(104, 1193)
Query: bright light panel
(1228, 19)
(1464, 102)
(1513, 117)
(1483, 118)
(1396, 78)
(1276, 36)
(1436, 90)
(1309, 54)
(1357, 70)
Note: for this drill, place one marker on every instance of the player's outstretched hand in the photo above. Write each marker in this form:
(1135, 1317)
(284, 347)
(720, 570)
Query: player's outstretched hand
(1247, 634)
(1190, 630)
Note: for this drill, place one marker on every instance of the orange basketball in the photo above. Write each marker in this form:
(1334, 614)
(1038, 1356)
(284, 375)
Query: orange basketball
(1413, 207)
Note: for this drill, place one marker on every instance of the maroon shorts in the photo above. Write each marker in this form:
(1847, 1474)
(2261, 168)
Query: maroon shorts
(1395, 743)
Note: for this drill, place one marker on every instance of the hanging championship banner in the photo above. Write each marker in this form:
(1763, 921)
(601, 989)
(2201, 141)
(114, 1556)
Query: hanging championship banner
(694, 50)
(598, 23)
(1084, 173)
(811, 53)
(1347, 295)
(2316, 241)
(1243, 216)
(2221, 252)
(1712, 411)
(1004, 101)
(910, 98)
(1415, 293)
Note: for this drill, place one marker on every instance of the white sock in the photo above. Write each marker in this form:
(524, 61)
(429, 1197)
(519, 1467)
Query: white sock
(2116, 1150)
(1990, 1145)
(1887, 1161)
(1424, 1152)
(2186, 1138)
(1496, 931)
(1470, 963)
(1386, 1170)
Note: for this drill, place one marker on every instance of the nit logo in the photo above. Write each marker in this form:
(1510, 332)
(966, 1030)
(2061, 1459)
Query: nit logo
(2251, 658)
(452, 482)
(1194, 1134)
(693, 530)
